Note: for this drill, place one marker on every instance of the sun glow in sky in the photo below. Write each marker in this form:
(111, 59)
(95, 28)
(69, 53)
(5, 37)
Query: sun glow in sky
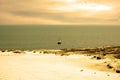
(59, 12)
(89, 7)
(69, 1)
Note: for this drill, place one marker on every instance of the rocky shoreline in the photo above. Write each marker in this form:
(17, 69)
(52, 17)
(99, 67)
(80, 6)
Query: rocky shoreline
(110, 53)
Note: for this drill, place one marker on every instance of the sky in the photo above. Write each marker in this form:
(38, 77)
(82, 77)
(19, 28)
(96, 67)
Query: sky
(60, 12)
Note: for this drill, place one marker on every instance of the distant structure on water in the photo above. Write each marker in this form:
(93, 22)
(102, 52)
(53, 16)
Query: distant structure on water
(59, 42)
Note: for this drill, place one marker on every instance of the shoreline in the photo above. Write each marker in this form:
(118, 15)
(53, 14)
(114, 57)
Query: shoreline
(91, 50)
(78, 63)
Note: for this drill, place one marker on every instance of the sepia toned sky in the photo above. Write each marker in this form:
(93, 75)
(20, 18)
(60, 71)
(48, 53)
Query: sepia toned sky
(59, 11)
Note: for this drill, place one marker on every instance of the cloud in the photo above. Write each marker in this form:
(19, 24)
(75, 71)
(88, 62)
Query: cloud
(59, 12)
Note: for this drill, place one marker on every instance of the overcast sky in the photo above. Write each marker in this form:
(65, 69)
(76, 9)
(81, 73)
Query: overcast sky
(59, 11)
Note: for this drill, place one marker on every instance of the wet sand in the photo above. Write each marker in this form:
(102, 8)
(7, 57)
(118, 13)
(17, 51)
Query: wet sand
(39, 66)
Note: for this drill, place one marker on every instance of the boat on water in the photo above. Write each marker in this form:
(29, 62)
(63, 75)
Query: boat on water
(59, 42)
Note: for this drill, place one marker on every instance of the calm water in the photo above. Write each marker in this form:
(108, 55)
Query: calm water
(46, 36)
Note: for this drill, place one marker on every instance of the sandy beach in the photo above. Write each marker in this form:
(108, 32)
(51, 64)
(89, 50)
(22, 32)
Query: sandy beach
(36, 65)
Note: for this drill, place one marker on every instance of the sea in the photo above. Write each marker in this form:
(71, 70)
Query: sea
(34, 37)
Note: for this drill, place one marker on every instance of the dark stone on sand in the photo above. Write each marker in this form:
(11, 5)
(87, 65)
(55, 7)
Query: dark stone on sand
(34, 51)
(117, 71)
(17, 51)
(109, 66)
(3, 50)
(98, 58)
(104, 54)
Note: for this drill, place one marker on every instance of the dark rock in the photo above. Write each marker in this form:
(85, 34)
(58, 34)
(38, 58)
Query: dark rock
(34, 51)
(109, 66)
(98, 58)
(104, 54)
(117, 71)
(94, 57)
(3, 50)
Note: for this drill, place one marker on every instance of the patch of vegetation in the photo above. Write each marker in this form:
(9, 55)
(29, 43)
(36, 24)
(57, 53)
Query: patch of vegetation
(117, 56)
(17, 52)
